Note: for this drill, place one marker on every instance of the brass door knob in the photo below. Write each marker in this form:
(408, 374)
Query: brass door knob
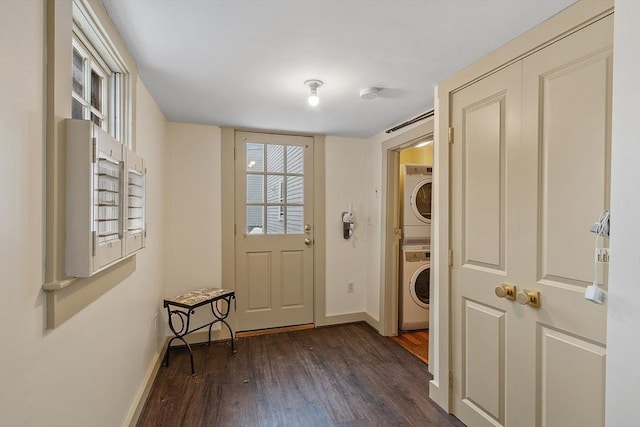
(506, 291)
(308, 241)
(528, 297)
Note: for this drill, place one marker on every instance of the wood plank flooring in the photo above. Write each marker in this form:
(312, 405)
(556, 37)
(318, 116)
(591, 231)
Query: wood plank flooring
(416, 342)
(345, 375)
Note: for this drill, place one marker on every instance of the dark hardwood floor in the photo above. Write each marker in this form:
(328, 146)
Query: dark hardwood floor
(345, 375)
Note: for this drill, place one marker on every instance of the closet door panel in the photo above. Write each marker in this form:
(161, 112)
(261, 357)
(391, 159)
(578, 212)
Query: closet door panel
(566, 133)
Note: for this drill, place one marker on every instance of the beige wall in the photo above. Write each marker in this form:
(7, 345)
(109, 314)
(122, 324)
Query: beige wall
(194, 243)
(89, 370)
(417, 155)
(623, 320)
(346, 180)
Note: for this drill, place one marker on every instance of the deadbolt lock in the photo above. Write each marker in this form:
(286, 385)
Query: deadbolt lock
(506, 291)
(529, 297)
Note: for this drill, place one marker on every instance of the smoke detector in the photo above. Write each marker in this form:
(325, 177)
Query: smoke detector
(369, 93)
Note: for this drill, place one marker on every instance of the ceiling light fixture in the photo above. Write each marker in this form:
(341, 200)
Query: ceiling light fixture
(314, 84)
(423, 143)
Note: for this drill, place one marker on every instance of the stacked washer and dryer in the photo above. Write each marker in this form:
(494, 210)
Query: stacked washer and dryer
(416, 247)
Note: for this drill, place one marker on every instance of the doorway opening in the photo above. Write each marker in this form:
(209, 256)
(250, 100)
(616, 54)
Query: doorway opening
(398, 152)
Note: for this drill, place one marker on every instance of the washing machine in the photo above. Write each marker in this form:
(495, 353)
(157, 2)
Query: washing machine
(416, 212)
(415, 287)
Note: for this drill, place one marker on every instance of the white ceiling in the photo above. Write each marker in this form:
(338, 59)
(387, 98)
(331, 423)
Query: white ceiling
(244, 62)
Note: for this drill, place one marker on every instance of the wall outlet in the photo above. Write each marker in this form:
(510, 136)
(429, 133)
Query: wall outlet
(350, 287)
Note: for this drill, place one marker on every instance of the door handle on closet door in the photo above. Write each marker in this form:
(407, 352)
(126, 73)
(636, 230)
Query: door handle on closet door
(506, 291)
(529, 297)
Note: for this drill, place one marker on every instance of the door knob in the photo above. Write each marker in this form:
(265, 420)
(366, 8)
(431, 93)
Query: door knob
(308, 241)
(506, 291)
(529, 297)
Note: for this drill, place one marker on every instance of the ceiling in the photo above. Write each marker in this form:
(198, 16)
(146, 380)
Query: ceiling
(243, 63)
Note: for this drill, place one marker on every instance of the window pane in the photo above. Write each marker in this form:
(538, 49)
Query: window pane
(255, 157)
(275, 158)
(295, 190)
(76, 109)
(78, 73)
(275, 190)
(255, 189)
(96, 91)
(294, 219)
(295, 159)
(275, 223)
(97, 120)
(254, 219)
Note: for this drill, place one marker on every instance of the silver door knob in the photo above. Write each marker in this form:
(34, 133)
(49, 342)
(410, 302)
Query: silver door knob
(528, 297)
(308, 241)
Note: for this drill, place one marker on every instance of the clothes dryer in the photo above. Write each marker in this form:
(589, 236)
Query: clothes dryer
(415, 287)
(416, 212)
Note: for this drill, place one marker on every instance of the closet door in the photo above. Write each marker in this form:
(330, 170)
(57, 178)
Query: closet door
(484, 183)
(529, 174)
(566, 144)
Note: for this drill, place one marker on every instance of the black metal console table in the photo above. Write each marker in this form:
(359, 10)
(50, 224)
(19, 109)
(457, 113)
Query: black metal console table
(183, 306)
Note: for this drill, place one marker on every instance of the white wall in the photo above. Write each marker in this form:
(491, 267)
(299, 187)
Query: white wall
(346, 180)
(89, 369)
(194, 243)
(623, 320)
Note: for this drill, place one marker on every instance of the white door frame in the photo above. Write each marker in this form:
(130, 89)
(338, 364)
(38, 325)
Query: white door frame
(390, 239)
(319, 213)
(572, 19)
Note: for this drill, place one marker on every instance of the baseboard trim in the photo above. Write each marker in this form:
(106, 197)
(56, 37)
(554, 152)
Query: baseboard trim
(143, 393)
(375, 324)
(340, 319)
(435, 394)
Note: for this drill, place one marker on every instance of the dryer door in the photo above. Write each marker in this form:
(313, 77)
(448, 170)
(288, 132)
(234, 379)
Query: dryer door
(419, 286)
(421, 200)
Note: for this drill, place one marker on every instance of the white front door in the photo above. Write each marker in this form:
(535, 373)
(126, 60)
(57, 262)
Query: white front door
(274, 230)
(530, 173)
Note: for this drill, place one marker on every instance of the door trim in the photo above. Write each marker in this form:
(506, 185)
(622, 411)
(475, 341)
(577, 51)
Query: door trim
(389, 271)
(572, 19)
(228, 219)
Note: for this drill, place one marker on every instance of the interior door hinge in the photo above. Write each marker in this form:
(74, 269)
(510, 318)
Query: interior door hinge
(234, 153)
(451, 380)
(450, 257)
(234, 229)
(450, 135)
(94, 242)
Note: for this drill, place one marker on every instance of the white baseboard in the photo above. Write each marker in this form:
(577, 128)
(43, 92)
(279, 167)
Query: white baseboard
(339, 319)
(143, 393)
(436, 394)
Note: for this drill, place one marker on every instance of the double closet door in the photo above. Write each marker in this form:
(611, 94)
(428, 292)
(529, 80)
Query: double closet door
(529, 174)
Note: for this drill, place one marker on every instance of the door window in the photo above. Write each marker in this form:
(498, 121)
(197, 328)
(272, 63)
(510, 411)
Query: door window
(275, 188)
